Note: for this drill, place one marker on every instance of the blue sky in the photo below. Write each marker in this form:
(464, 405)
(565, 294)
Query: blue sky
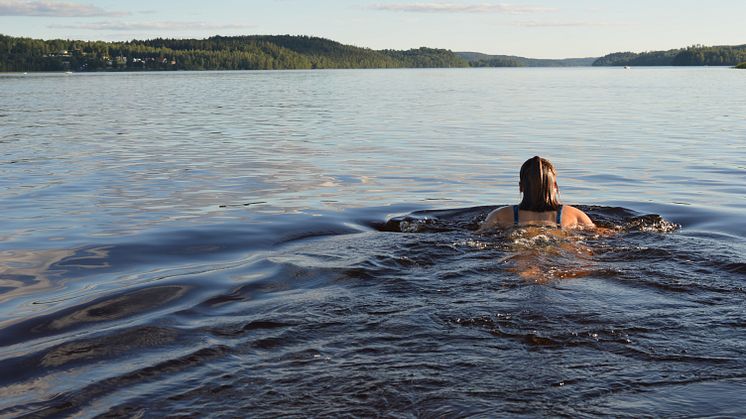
(532, 28)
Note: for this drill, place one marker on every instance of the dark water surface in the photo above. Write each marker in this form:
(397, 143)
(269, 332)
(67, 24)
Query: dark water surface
(302, 244)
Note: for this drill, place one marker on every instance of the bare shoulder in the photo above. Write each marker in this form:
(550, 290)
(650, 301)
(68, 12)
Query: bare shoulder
(573, 217)
(501, 218)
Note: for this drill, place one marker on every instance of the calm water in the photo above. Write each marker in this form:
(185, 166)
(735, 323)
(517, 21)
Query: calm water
(301, 243)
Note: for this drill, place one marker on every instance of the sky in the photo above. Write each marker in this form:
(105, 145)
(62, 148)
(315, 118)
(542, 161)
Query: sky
(529, 28)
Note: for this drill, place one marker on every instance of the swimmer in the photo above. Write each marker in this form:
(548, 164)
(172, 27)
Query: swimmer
(540, 205)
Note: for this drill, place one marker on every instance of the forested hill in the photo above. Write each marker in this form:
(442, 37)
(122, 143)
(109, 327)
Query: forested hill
(477, 59)
(257, 52)
(267, 52)
(690, 56)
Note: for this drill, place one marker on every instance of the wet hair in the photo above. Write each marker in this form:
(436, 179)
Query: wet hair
(538, 180)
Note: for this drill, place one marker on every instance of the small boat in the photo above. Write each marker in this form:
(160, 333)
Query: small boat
(68, 72)
(626, 67)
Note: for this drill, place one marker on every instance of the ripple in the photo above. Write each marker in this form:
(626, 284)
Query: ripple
(188, 267)
(115, 307)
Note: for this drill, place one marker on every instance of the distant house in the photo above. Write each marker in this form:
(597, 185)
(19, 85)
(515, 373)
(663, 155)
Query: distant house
(61, 53)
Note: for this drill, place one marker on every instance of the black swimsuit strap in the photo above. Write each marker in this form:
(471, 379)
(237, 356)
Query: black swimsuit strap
(559, 215)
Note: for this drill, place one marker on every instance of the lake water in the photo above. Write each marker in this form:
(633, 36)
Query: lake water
(301, 243)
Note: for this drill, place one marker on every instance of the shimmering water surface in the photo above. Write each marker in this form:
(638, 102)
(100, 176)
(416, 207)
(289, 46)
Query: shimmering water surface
(302, 244)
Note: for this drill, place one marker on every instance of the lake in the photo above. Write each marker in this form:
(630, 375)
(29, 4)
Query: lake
(301, 243)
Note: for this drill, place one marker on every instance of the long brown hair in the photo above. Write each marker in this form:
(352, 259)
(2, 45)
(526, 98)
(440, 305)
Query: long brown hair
(538, 184)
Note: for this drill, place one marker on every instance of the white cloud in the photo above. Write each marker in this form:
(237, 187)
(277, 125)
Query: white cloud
(567, 24)
(135, 26)
(462, 8)
(52, 9)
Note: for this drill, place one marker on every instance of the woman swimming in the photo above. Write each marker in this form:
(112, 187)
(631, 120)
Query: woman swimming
(540, 204)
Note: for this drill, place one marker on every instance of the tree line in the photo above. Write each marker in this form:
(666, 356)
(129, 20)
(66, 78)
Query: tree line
(695, 55)
(477, 59)
(259, 52)
(269, 52)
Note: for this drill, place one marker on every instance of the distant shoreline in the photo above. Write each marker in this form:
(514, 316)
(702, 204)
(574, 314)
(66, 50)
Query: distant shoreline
(62, 73)
(286, 52)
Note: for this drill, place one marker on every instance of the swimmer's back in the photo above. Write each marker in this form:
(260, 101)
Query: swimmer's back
(505, 217)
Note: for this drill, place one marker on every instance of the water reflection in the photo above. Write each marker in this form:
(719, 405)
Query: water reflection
(258, 245)
(115, 308)
(298, 152)
(24, 272)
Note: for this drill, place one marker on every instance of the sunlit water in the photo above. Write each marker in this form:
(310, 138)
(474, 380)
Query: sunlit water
(302, 243)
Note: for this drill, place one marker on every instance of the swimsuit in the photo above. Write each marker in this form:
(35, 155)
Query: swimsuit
(559, 215)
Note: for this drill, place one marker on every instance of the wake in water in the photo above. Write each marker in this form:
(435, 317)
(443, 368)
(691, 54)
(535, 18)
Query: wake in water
(610, 218)
(537, 253)
(417, 315)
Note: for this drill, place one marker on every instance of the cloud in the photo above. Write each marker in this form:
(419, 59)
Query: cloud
(568, 24)
(461, 8)
(52, 9)
(140, 26)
